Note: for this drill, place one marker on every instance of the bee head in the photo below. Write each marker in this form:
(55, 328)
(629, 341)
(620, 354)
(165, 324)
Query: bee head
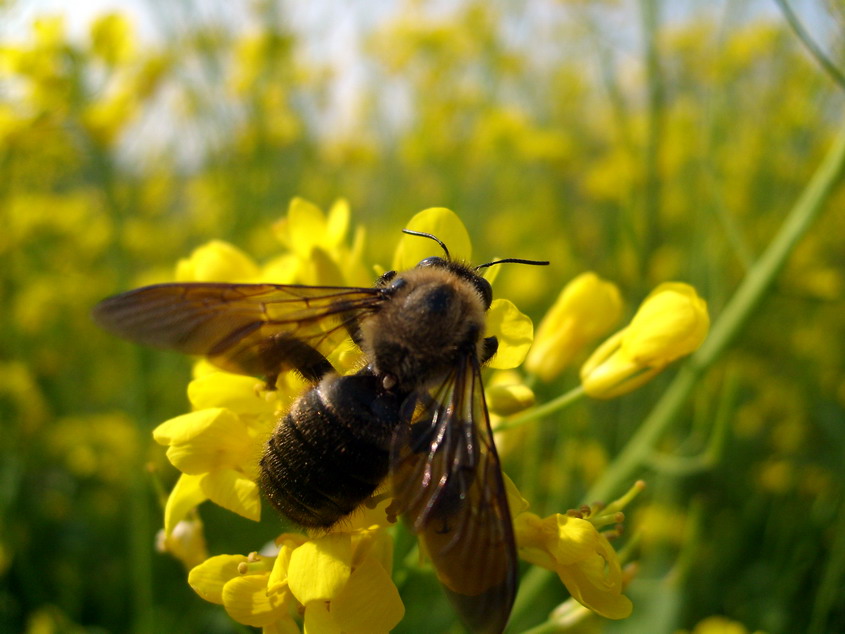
(468, 273)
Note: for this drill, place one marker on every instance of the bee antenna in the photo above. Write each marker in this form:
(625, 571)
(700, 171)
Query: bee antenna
(514, 261)
(433, 237)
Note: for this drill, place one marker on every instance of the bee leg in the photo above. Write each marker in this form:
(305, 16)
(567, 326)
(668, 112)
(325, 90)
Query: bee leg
(283, 352)
(270, 381)
(489, 348)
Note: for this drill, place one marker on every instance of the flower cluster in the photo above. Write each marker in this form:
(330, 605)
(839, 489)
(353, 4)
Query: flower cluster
(340, 580)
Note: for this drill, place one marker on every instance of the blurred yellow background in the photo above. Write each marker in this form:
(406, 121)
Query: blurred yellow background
(647, 141)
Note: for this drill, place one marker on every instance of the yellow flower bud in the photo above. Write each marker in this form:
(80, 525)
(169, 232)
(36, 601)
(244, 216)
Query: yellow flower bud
(505, 400)
(671, 323)
(586, 308)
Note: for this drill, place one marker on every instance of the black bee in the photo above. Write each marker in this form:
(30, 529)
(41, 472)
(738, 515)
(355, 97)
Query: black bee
(416, 411)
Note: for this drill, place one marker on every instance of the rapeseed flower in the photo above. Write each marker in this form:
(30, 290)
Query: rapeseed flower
(572, 546)
(672, 322)
(340, 580)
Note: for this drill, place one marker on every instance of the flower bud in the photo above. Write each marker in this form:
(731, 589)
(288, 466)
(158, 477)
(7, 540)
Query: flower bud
(586, 308)
(671, 323)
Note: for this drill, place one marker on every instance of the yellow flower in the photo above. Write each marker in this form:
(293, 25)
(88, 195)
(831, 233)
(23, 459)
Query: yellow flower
(112, 39)
(253, 589)
(580, 555)
(572, 546)
(343, 580)
(217, 446)
(217, 261)
(672, 322)
(221, 450)
(316, 243)
(339, 581)
(586, 308)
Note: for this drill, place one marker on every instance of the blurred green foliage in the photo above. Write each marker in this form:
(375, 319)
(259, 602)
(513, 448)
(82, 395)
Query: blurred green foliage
(644, 149)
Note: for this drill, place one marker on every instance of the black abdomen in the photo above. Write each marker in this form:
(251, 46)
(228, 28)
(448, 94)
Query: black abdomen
(331, 451)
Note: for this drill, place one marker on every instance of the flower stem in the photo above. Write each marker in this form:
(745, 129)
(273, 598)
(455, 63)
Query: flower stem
(810, 44)
(555, 405)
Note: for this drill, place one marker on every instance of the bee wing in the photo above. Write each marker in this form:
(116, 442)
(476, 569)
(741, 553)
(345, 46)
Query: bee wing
(256, 329)
(448, 483)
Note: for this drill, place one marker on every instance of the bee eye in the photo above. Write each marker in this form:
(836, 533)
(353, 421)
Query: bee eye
(486, 291)
(432, 261)
(398, 283)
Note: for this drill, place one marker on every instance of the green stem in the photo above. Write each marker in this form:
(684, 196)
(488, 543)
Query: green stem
(810, 44)
(555, 405)
(650, 16)
(684, 466)
(734, 316)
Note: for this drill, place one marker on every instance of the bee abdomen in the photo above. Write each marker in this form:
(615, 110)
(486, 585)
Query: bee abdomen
(331, 451)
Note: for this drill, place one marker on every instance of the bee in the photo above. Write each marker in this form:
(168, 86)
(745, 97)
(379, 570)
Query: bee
(415, 412)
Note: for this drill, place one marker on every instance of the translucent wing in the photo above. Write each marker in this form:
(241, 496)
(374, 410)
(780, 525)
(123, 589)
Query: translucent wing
(256, 329)
(448, 483)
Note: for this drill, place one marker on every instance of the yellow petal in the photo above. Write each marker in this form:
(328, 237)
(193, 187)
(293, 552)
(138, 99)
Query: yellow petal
(440, 222)
(229, 391)
(185, 427)
(233, 491)
(186, 494)
(603, 598)
(373, 542)
(671, 322)
(535, 538)
(287, 543)
(318, 619)
(247, 600)
(320, 269)
(369, 603)
(282, 270)
(320, 568)
(286, 625)
(514, 331)
(306, 224)
(216, 261)
(338, 223)
(209, 577)
(576, 539)
(205, 440)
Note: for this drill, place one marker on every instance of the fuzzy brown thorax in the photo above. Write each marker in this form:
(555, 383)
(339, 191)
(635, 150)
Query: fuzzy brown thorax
(433, 316)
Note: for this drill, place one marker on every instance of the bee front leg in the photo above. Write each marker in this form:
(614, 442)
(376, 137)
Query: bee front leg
(489, 347)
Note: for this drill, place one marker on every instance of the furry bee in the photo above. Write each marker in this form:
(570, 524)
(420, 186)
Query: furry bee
(416, 412)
